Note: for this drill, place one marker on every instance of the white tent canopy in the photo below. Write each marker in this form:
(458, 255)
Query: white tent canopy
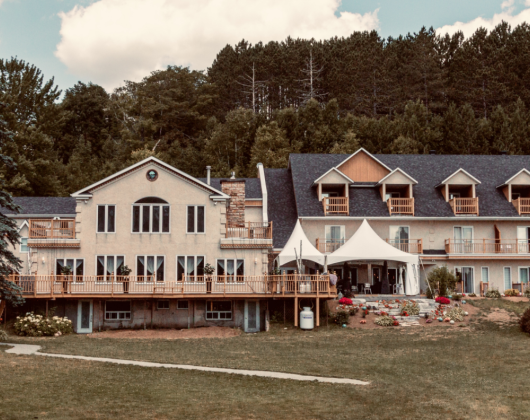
(308, 251)
(365, 244)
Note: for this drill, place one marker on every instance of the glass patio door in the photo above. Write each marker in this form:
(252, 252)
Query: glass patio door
(463, 239)
(467, 278)
(84, 317)
(252, 321)
(399, 235)
(523, 239)
(334, 237)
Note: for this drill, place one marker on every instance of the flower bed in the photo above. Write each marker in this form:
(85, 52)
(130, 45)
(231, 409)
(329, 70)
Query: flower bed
(33, 325)
(442, 300)
(345, 301)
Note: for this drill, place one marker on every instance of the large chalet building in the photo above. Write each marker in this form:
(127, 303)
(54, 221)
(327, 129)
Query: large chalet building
(153, 246)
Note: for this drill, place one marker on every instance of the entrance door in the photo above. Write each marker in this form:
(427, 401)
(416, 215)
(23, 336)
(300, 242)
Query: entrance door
(84, 317)
(463, 237)
(252, 315)
(392, 278)
(467, 277)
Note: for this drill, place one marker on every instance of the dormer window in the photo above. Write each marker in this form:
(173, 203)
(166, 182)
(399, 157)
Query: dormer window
(459, 190)
(517, 191)
(396, 190)
(333, 192)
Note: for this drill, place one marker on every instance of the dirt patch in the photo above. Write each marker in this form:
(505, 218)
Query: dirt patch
(501, 316)
(207, 332)
(517, 299)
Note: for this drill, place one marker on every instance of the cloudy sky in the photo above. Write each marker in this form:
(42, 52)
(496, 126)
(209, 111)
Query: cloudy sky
(108, 41)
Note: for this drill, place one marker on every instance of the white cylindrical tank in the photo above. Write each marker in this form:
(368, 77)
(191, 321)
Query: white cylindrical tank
(307, 321)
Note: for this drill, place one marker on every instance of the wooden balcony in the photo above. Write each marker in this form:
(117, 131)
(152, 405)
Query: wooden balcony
(336, 205)
(288, 285)
(403, 206)
(466, 205)
(52, 229)
(486, 246)
(412, 246)
(327, 246)
(522, 205)
(250, 235)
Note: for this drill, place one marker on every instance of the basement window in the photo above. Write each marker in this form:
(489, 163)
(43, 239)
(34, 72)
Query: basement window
(163, 304)
(117, 310)
(182, 304)
(219, 310)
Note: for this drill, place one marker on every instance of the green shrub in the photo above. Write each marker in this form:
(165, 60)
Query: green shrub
(472, 295)
(3, 335)
(511, 292)
(384, 321)
(442, 279)
(456, 296)
(456, 314)
(524, 321)
(410, 308)
(37, 326)
(527, 292)
(341, 317)
(493, 294)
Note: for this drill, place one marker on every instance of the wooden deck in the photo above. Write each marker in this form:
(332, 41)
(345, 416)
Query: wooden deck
(404, 206)
(52, 229)
(412, 246)
(111, 286)
(327, 246)
(466, 205)
(522, 205)
(250, 230)
(486, 246)
(336, 206)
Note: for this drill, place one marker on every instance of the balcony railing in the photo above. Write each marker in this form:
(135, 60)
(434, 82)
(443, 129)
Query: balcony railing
(522, 205)
(112, 286)
(52, 229)
(401, 206)
(249, 230)
(328, 245)
(466, 205)
(412, 246)
(336, 205)
(486, 246)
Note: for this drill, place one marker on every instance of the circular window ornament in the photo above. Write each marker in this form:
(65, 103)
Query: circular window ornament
(152, 175)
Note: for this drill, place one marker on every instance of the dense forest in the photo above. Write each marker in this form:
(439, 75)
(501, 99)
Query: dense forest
(258, 103)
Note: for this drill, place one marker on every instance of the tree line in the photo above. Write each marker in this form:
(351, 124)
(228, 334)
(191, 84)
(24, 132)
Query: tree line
(258, 103)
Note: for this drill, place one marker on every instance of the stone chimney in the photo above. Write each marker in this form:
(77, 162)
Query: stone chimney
(235, 211)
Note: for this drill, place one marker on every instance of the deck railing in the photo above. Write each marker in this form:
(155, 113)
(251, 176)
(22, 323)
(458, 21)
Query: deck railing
(249, 230)
(328, 245)
(412, 246)
(111, 286)
(401, 206)
(486, 246)
(466, 205)
(522, 205)
(336, 205)
(52, 229)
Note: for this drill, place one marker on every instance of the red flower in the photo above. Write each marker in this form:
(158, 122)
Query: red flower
(442, 300)
(345, 301)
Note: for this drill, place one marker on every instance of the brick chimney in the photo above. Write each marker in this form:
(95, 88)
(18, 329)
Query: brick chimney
(235, 211)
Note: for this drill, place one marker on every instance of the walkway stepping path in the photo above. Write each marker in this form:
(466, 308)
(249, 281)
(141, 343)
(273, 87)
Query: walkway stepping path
(28, 349)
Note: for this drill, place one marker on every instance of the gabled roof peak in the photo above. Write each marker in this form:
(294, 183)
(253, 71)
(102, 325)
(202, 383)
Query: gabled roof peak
(515, 176)
(456, 172)
(362, 149)
(400, 171)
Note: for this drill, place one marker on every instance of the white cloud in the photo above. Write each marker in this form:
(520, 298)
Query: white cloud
(507, 15)
(114, 40)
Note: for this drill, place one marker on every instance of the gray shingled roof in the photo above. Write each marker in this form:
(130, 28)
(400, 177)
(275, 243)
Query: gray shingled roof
(252, 185)
(281, 205)
(428, 170)
(44, 205)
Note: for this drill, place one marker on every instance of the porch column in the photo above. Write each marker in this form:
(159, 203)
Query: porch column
(296, 311)
(318, 312)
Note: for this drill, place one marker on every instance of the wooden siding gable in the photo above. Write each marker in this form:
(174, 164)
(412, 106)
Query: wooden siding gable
(363, 167)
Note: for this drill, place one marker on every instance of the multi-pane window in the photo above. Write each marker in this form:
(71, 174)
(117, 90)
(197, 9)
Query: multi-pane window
(221, 310)
(106, 218)
(108, 266)
(24, 245)
(230, 268)
(195, 219)
(150, 267)
(77, 266)
(190, 266)
(163, 304)
(117, 310)
(182, 304)
(507, 278)
(523, 275)
(150, 215)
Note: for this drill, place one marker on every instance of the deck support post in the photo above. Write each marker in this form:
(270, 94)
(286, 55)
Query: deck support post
(46, 308)
(318, 312)
(296, 311)
(152, 312)
(284, 311)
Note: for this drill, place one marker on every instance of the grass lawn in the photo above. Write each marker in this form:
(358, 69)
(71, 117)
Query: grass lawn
(436, 373)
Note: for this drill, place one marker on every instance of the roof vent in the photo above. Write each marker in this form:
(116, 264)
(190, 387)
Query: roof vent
(208, 169)
(504, 152)
(432, 152)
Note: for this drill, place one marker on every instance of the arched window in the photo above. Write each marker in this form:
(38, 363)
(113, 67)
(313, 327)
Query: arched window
(150, 215)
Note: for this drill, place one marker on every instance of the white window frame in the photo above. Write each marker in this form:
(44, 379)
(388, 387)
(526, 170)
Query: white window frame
(504, 277)
(26, 245)
(118, 319)
(155, 280)
(461, 268)
(481, 274)
(162, 309)
(235, 267)
(115, 256)
(389, 195)
(196, 206)
(218, 312)
(106, 225)
(186, 265)
(187, 305)
(519, 275)
(141, 205)
(75, 264)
